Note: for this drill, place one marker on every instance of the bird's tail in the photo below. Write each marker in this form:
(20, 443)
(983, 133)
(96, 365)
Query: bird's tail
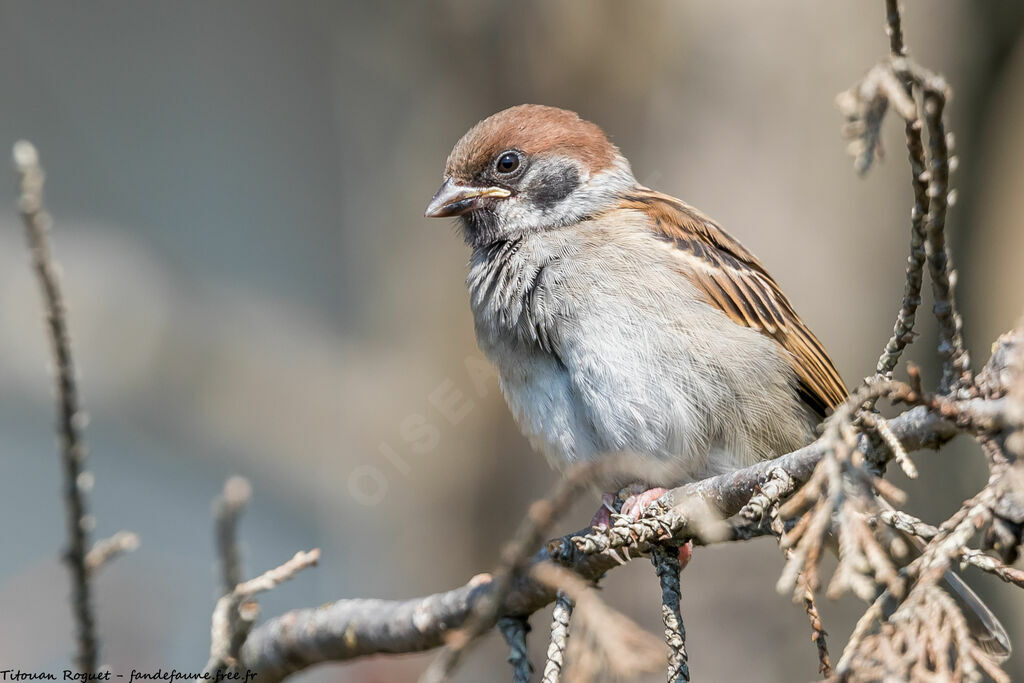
(985, 627)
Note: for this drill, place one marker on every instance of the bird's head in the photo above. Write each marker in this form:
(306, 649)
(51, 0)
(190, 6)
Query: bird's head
(527, 169)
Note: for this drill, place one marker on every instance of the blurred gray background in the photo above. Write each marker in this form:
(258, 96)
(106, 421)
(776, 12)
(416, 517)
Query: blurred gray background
(238, 191)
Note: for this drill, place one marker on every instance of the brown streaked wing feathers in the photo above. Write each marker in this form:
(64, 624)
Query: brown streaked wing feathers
(738, 284)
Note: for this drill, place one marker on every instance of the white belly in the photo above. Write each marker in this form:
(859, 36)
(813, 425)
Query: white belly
(646, 368)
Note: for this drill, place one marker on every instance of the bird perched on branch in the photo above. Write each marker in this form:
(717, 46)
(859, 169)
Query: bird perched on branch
(623, 320)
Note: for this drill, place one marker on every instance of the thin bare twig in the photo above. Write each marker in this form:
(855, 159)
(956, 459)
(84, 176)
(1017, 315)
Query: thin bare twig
(807, 584)
(236, 611)
(908, 524)
(70, 418)
(903, 329)
(865, 106)
(228, 508)
(894, 28)
(107, 550)
(514, 630)
(956, 361)
(987, 563)
(913, 526)
(666, 563)
(561, 615)
(818, 633)
(880, 426)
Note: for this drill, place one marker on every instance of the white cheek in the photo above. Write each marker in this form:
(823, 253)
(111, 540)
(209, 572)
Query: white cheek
(596, 193)
(516, 211)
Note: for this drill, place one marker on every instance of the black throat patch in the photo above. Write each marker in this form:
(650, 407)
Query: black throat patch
(480, 228)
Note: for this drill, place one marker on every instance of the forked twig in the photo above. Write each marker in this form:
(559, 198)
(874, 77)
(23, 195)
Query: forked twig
(236, 612)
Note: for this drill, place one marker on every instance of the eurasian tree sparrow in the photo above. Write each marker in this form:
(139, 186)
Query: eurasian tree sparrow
(623, 320)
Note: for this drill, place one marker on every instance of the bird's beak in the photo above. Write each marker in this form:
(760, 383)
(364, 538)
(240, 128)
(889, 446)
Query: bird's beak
(455, 200)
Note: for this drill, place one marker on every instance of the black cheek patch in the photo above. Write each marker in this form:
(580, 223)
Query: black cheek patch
(553, 186)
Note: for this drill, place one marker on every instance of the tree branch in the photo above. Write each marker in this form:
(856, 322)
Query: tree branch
(354, 628)
(561, 615)
(235, 612)
(514, 630)
(903, 329)
(70, 419)
(666, 563)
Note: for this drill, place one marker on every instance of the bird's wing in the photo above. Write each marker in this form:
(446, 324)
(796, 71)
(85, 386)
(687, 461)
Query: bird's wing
(735, 282)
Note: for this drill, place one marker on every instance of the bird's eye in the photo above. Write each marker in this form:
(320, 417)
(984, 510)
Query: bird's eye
(507, 162)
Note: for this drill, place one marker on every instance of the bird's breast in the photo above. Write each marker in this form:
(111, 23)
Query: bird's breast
(602, 347)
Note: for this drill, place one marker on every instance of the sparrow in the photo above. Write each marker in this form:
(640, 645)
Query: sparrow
(623, 320)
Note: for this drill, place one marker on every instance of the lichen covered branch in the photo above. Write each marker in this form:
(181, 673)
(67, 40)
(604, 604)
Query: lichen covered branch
(893, 84)
(666, 563)
(561, 615)
(353, 628)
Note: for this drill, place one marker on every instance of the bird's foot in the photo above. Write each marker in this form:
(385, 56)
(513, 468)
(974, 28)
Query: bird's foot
(603, 517)
(685, 553)
(637, 500)
(634, 499)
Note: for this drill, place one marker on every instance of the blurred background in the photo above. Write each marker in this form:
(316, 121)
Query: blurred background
(238, 191)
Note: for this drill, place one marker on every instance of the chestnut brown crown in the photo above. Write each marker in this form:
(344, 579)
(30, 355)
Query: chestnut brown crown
(532, 129)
